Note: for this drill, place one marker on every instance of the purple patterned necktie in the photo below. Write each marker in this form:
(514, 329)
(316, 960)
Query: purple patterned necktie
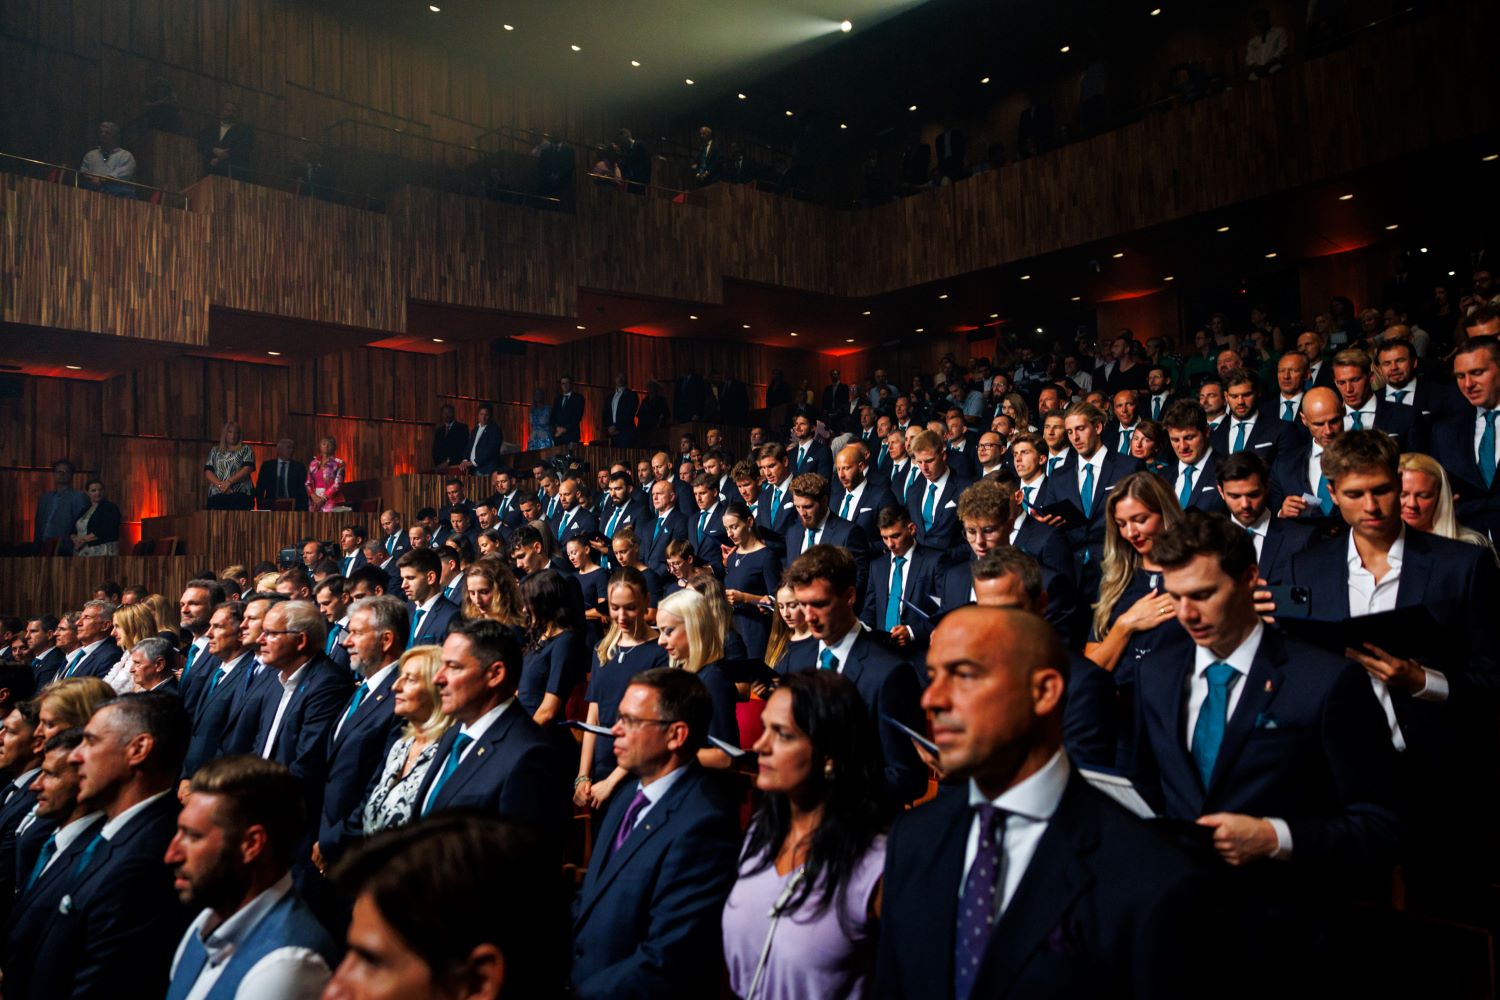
(628, 823)
(977, 907)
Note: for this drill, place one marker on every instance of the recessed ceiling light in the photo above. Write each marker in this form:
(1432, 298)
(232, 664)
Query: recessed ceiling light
(919, 329)
(1170, 277)
(1117, 256)
(789, 114)
(691, 316)
(741, 97)
(434, 7)
(842, 125)
(994, 315)
(1040, 330)
(635, 62)
(792, 334)
(1155, 11)
(865, 313)
(1222, 229)
(1390, 227)
(1077, 298)
(1270, 255)
(575, 48)
(943, 296)
(984, 79)
(846, 26)
(1423, 249)
(689, 82)
(746, 326)
(848, 340)
(1452, 273)
(508, 27)
(437, 340)
(582, 327)
(1066, 49)
(1025, 277)
(274, 354)
(76, 368)
(1346, 197)
(1491, 158)
(912, 108)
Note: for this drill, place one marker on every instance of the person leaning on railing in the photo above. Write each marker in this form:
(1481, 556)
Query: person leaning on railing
(107, 162)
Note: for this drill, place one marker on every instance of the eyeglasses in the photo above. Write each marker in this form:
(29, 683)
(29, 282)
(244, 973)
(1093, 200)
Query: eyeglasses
(272, 631)
(631, 723)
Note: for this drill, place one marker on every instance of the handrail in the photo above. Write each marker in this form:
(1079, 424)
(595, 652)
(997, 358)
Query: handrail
(177, 200)
(609, 180)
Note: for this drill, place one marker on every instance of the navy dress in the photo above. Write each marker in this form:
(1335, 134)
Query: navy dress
(724, 724)
(557, 666)
(1134, 659)
(607, 686)
(595, 587)
(756, 572)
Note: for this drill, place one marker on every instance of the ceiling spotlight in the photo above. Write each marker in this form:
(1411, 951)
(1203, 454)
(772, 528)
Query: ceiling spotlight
(1155, 11)
(274, 354)
(746, 325)
(994, 315)
(635, 62)
(920, 330)
(437, 340)
(842, 125)
(1390, 227)
(865, 313)
(792, 334)
(1066, 49)
(943, 296)
(691, 316)
(582, 327)
(688, 82)
(1040, 330)
(1076, 298)
(1270, 255)
(1491, 158)
(434, 7)
(848, 340)
(1222, 229)
(789, 114)
(79, 368)
(1422, 249)
(1346, 197)
(1025, 277)
(508, 27)
(741, 97)
(1452, 273)
(1170, 277)
(846, 26)
(912, 108)
(984, 79)
(1117, 256)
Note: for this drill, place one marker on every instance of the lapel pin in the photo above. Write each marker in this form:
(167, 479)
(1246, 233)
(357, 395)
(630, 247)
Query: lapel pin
(479, 752)
(1270, 687)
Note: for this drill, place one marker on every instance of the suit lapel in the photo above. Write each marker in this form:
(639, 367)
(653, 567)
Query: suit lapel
(1416, 567)
(471, 765)
(1261, 688)
(656, 817)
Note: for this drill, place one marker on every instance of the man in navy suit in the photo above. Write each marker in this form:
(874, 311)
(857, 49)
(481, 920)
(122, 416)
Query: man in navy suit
(351, 545)
(365, 729)
(1431, 399)
(421, 576)
(823, 579)
(20, 763)
(646, 920)
(815, 525)
(622, 510)
(1437, 707)
(1250, 426)
(97, 653)
(900, 471)
(932, 498)
(1243, 487)
(250, 681)
(619, 413)
(567, 412)
(195, 609)
(774, 512)
(1125, 407)
(1298, 474)
(572, 517)
(1291, 383)
(1085, 481)
(153, 662)
(856, 496)
(902, 587)
(1465, 443)
(706, 527)
(41, 649)
(1192, 475)
(448, 440)
(394, 540)
(962, 444)
(333, 595)
(506, 498)
(1311, 345)
(234, 663)
(807, 453)
(113, 931)
(495, 759)
(281, 478)
(667, 525)
(1085, 902)
(1364, 410)
(482, 449)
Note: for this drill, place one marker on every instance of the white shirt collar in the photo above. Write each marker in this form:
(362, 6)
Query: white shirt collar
(289, 684)
(1261, 527)
(23, 780)
(1198, 465)
(1394, 557)
(221, 939)
(70, 832)
(1241, 659)
(1037, 797)
(482, 724)
(431, 602)
(844, 645)
(378, 677)
(1096, 460)
(941, 482)
(658, 789)
(117, 824)
(1234, 421)
(89, 649)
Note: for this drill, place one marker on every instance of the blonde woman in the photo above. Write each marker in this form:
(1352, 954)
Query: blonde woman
(392, 798)
(629, 647)
(167, 617)
(68, 703)
(1131, 601)
(491, 591)
(694, 640)
(228, 469)
(1427, 501)
(325, 477)
(134, 623)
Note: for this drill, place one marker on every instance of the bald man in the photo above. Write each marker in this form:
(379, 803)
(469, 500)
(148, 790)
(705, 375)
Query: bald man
(572, 517)
(661, 471)
(981, 881)
(856, 496)
(1298, 488)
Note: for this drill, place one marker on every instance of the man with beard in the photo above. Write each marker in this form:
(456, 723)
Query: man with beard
(231, 857)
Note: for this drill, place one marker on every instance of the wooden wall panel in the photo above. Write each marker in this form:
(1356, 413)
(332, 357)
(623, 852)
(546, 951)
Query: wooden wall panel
(58, 584)
(218, 538)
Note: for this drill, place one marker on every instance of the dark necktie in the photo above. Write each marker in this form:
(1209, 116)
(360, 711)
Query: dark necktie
(627, 824)
(455, 755)
(48, 850)
(978, 905)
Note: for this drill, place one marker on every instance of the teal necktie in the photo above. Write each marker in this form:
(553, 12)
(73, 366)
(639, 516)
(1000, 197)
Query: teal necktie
(827, 661)
(844, 507)
(1208, 734)
(801, 457)
(1357, 421)
(88, 854)
(614, 519)
(48, 850)
(1156, 408)
(1400, 394)
(218, 676)
(1239, 439)
(1288, 411)
(449, 766)
(775, 503)
(893, 602)
(1186, 496)
(1026, 492)
(1325, 498)
(78, 656)
(929, 504)
(812, 539)
(702, 523)
(1125, 440)
(1487, 448)
(1086, 493)
(656, 528)
(416, 621)
(192, 654)
(359, 696)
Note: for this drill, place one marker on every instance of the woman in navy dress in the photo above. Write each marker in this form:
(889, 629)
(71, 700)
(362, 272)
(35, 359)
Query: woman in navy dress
(627, 552)
(751, 573)
(628, 647)
(556, 660)
(695, 642)
(593, 582)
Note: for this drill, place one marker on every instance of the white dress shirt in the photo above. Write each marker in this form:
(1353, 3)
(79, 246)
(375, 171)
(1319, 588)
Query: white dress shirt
(1366, 416)
(1235, 423)
(656, 791)
(479, 430)
(1479, 434)
(1408, 393)
(1027, 808)
(1197, 468)
(1315, 469)
(845, 644)
(66, 835)
(1097, 461)
(941, 483)
(371, 683)
(1259, 530)
(1281, 402)
(853, 496)
(288, 688)
(286, 973)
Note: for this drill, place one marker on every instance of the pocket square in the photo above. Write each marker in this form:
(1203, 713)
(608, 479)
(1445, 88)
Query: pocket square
(1265, 720)
(1265, 444)
(950, 505)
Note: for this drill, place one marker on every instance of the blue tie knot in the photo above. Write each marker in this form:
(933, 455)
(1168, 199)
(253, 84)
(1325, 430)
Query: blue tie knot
(1219, 675)
(827, 661)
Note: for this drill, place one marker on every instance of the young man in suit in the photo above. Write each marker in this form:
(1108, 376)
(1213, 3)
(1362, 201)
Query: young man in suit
(449, 440)
(567, 412)
(1192, 475)
(978, 882)
(706, 527)
(1364, 410)
(242, 716)
(1158, 391)
(619, 415)
(962, 444)
(394, 539)
(646, 919)
(900, 472)
(901, 592)
(41, 649)
(1244, 488)
(421, 576)
(774, 513)
(239, 826)
(621, 510)
(97, 653)
(1249, 427)
(234, 665)
(1465, 443)
(482, 447)
(281, 478)
(823, 579)
(1085, 480)
(807, 453)
(856, 496)
(932, 499)
(333, 595)
(816, 525)
(1432, 400)
(494, 759)
(1298, 473)
(351, 545)
(195, 609)
(20, 764)
(365, 729)
(117, 917)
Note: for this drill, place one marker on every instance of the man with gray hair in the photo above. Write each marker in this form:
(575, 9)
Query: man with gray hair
(367, 726)
(97, 652)
(107, 162)
(153, 665)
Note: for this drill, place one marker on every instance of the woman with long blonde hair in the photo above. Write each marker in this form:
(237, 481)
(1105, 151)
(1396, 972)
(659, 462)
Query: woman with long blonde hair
(134, 623)
(491, 591)
(1427, 501)
(694, 639)
(69, 703)
(1130, 600)
(392, 798)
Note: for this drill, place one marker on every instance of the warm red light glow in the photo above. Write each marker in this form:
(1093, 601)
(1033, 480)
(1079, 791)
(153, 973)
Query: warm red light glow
(648, 331)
